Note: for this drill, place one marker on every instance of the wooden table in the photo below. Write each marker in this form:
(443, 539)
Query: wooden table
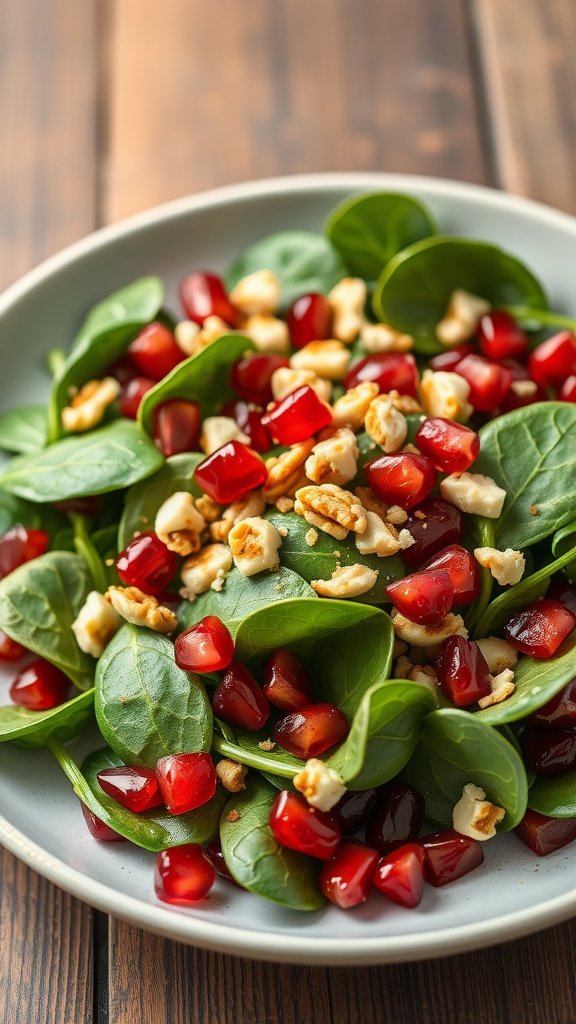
(109, 107)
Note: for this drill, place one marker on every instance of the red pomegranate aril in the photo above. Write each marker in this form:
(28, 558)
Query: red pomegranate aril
(298, 826)
(205, 647)
(10, 650)
(346, 879)
(147, 563)
(451, 447)
(230, 472)
(251, 376)
(239, 700)
(433, 525)
(448, 361)
(297, 416)
(309, 319)
(391, 371)
(544, 835)
(552, 362)
(186, 781)
(21, 544)
(400, 875)
(123, 370)
(202, 295)
(353, 809)
(500, 337)
(396, 818)
(177, 425)
(539, 629)
(214, 853)
(403, 479)
(287, 684)
(560, 712)
(134, 788)
(424, 597)
(462, 671)
(183, 874)
(462, 569)
(155, 351)
(450, 855)
(567, 392)
(512, 400)
(312, 730)
(98, 829)
(489, 382)
(132, 394)
(250, 421)
(549, 751)
(40, 686)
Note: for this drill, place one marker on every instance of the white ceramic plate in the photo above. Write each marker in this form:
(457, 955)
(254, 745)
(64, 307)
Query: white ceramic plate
(514, 893)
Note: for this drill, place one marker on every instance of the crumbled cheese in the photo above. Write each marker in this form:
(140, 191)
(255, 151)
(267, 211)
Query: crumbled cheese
(406, 539)
(218, 431)
(268, 333)
(333, 461)
(351, 408)
(88, 406)
(461, 318)
(424, 636)
(378, 338)
(200, 571)
(231, 775)
(266, 744)
(524, 388)
(396, 515)
(502, 686)
(325, 358)
(178, 523)
(186, 334)
(285, 380)
(497, 653)
(474, 492)
(252, 504)
(347, 300)
(321, 786)
(446, 395)
(385, 424)
(257, 293)
(254, 544)
(347, 581)
(379, 538)
(507, 567)
(141, 609)
(475, 816)
(311, 536)
(95, 624)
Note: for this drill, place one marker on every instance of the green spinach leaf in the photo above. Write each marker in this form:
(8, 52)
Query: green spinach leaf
(144, 499)
(23, 430)
(554, 796)
(348, 660)
(32, 728)
(246, 750)
(303, 261)
(563, 541)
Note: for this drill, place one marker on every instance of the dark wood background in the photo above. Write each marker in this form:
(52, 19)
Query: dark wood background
(110, 106)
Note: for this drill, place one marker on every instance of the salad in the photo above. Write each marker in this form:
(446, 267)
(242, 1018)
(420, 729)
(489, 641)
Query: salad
(306, 556)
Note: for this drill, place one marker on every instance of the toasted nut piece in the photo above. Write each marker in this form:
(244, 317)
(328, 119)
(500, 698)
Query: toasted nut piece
(371, 503)
(141, 609)
(348, 581)
(475, 816)
(424, 636)
(474, 492)
(254, 544)
(333, 461)
(379, 538)
(285, 380)
(377, 338)
(325, 358)
(186, 334)
(200, 571)
(351, 408)
(404, 403)
(286, 471)
(252, 504)
(425, 675)
(396, 515)
(321, 786)
(268, 333)
(179, 524)
(208, 508)
(212, 329)
(347, 300)
(402, 667)
(231, 775)
(507, 567)
(257, 293)
(405, 539)
(88, 406)
(498, 654)
(385, 424)
(445, 394)
(331, 509)
(95, 624)
(311, 537)
(502, 686)
(461, 318)
(218, 431)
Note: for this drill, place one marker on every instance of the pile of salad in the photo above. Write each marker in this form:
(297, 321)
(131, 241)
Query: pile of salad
(305, 552)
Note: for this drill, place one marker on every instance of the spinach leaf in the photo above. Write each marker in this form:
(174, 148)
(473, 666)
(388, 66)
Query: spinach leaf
(23, 429)
(350, 659)
(144, 499)
(246, 750)
(104, 460)
(319, 561)
(304, 262)
(14, 510)
(368, 230)
(563, 541)
(254, 858)
(413, 291)
(32, 728)
(39, 601)
(136, 303)
(147, 707)
(456, 748)
(554, 796)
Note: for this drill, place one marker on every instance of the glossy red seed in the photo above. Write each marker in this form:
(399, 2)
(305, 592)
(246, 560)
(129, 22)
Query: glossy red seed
(312, 730)
(147, 563)
(403, 479)
(287, 684)
(177, 424)
(40, 686)
(251, 376)
(447, 361)
(10, 650)
(230, 472)
(545, 835)
(539, 629)
(132, 394)
(549, 751)
(205, 647)
(500, 337)
(433, 525)
(424, 597)
(554, 360)
(21, 544)
(389, 370)
(186, 781)
(214, 853)
(183, 874)
(155, 352)
(239, 700)
(567, 392)
(123, 370)
(451, 447)
(560, 712)
(462, 569)
(512, 400)
(309, 319)
(134, 788)
(449, 856)
(462, 671)
(298, 826)
(98, 829)
(489, 382)
(400, 875)
(353, 809)
(396, 818)
(202, 295)
(346, 879)
(250, 421)
(297, 416)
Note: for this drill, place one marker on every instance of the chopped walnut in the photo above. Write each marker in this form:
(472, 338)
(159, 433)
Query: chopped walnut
(88, 406)
(502, 686)
(231, 775)
(252, 504)
(286, 472)
(351, 408)
(208, 508)
(284, 503)
(141, 609)
(332, 509)
(371, 502)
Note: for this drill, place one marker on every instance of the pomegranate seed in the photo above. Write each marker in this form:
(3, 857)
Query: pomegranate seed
(352, 810)
(134, 788)
(433, 525)
(230, 472)
(554, 360)
(425, 597)
(98, 829)
(545, 835)
(390, 371)
(203, 295)
(447, 361)
(451, 447)
(250, 421)
(10, 650)
(176, 426)
(239, 700)
(186, 781)
(562, 590)
(346, 879)
(132, 394)
(214, 853)
(560, 712)
(488, 381)
(155, 351)
(500, 337)
(396, 818)
(303, 828)
(567, 392)
(20, 544)
(40, 686)
(513, 401)
(540, 628)
(549, 751)
(251, 376)
(403, 479)
(297, 416)
(147, 563)
(400, 875)
(449, 856)
(462, 671)
(287, 684)
(183, 874)
(123, 370)
(309, 319)
(205, 647)
(462, 569)
(312, 730)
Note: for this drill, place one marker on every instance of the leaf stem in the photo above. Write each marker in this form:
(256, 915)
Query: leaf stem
(542, 316)
(55, 361)
(251, 760)
(85, 548)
